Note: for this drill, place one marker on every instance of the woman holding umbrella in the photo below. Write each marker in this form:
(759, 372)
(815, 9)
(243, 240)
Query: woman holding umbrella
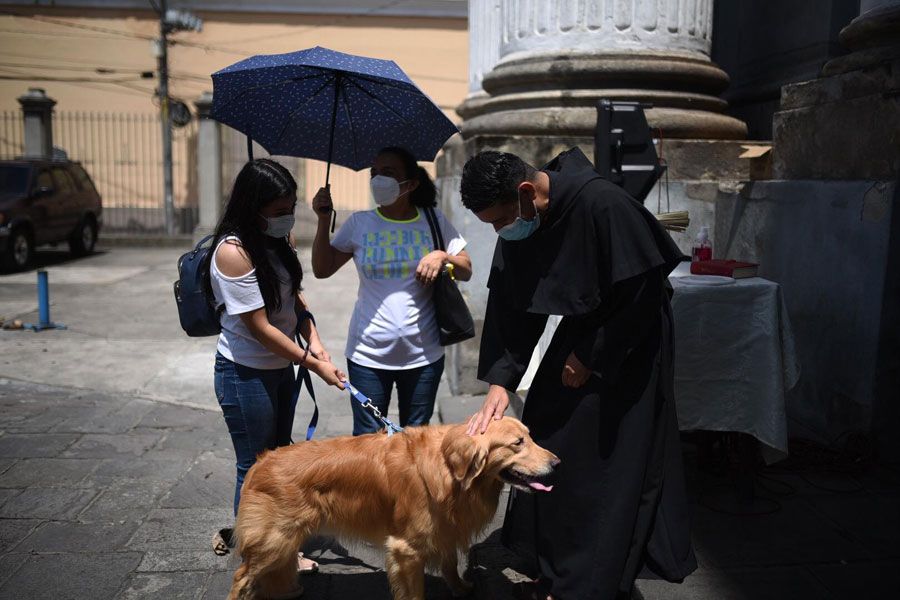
(393, 337)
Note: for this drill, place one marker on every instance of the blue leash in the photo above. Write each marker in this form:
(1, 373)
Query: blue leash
(304, 378)
(366, 402)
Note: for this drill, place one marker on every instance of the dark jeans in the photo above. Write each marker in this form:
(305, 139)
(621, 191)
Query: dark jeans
(416, 391)
(258, 410)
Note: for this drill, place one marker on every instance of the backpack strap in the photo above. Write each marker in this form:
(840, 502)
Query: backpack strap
(199, 245)
(304, 378)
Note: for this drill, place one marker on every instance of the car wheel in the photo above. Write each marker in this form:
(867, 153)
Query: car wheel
(20, 250)
(84, 238)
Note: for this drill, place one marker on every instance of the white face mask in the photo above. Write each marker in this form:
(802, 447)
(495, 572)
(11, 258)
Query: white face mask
(385, 190)
(279, 227)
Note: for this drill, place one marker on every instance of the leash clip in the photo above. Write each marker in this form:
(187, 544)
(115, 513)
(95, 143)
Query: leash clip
(366, 402)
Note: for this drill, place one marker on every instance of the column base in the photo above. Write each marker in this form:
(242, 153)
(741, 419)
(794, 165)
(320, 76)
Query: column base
(842, 127)
(556, 94)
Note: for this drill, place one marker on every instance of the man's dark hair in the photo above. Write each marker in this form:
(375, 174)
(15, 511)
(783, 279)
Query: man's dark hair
(490, 178)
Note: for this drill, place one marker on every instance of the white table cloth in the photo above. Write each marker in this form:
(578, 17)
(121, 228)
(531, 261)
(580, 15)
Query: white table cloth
(734, 358)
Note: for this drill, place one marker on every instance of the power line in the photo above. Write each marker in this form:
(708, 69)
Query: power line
(80, 36)
(78, 25)
(58, 60)
(184, 75)
(30, 77)
(221, 49)
(73, 68)
(330, 23)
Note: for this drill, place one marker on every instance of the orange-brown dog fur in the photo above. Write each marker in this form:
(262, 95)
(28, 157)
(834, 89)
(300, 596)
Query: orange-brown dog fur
(424, 494)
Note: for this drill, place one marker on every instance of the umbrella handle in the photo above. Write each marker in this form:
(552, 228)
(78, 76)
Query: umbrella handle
(334, 106)
(328, 187)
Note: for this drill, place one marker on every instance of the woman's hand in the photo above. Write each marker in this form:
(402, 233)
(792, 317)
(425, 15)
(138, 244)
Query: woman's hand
(574, 373)
(318, 350)
(495, 404)
(322, 204)
(430, 266)
(326, 370)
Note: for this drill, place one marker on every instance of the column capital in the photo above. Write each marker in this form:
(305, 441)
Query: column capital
(36, 100)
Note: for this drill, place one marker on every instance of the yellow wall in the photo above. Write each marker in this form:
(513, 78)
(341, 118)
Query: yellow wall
(433, 51)
(69, 44)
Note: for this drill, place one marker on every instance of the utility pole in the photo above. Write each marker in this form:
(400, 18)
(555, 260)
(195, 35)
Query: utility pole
(166, 118)
(169, 21)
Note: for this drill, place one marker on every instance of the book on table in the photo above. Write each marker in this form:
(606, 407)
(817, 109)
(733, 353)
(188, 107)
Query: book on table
(727, 268)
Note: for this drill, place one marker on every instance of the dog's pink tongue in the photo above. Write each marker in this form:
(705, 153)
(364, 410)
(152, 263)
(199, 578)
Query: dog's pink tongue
(540, 486)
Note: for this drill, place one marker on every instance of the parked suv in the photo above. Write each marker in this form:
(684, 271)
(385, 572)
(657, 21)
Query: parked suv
(45, 202)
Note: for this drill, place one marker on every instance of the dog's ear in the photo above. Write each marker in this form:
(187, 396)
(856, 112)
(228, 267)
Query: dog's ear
(465, 457)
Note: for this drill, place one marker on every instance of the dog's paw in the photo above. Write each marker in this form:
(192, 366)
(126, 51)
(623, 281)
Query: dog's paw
(462, 589)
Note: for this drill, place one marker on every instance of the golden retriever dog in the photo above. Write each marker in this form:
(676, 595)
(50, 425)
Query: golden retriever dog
(423, 494)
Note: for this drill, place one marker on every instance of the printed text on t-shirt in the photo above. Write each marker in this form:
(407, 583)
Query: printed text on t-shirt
(394, 254)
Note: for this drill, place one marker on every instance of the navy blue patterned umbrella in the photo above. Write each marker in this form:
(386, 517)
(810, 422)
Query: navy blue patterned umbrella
(327, 105)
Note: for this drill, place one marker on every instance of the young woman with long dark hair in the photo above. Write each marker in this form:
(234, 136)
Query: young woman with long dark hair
(254, 272)
(393, 337)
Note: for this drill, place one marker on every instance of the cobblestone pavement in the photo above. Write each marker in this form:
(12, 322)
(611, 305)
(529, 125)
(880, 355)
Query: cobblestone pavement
(116, 467)
(115, 464)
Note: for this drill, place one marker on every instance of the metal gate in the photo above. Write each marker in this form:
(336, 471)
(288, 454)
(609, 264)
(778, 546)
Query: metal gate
(122, 152)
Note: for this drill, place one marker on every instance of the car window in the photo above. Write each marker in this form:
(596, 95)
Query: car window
(64, 183)
(14, 179)
(43, 180)
(84, 182)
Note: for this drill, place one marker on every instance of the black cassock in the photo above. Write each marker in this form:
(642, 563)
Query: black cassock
(600, 260)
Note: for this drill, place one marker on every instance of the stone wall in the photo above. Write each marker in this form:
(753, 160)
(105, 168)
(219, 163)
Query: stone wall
(766, 45)
(834, 248)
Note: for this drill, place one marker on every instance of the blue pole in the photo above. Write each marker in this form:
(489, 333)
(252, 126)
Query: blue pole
(43, 298)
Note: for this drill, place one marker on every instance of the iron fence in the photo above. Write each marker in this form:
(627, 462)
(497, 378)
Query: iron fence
(11, 135)
(122, 152)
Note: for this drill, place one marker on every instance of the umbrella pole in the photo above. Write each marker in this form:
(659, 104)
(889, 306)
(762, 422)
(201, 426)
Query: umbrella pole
(249, 148)
(334, 107)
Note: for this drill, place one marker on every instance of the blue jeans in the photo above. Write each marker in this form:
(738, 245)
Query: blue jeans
(258, 409)
(416, 391)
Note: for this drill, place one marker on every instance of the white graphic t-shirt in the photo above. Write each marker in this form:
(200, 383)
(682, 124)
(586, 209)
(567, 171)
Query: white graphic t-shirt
(393, 324)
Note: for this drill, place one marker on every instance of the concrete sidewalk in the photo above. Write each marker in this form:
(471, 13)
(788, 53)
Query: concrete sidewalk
(116, 467)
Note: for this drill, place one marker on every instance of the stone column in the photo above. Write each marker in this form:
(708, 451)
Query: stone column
(873, 37)
(37, 110)
(484, 51)
(557, 58)
(209, 167)
(853, 107)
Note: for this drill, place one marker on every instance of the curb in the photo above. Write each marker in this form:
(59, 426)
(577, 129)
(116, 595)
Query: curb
(145, 241)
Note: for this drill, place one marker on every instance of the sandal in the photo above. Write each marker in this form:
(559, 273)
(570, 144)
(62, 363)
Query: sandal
(223, 541)
(306, 566)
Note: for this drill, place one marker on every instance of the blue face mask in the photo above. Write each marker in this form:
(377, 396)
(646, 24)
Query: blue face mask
(520, 228)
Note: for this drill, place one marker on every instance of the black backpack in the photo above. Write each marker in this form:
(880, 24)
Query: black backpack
(198, 314)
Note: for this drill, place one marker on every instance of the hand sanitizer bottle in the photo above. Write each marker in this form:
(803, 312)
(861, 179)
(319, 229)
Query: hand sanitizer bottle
(702, 249)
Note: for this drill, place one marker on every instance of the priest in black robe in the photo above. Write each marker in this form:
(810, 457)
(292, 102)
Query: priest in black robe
(575, 245)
